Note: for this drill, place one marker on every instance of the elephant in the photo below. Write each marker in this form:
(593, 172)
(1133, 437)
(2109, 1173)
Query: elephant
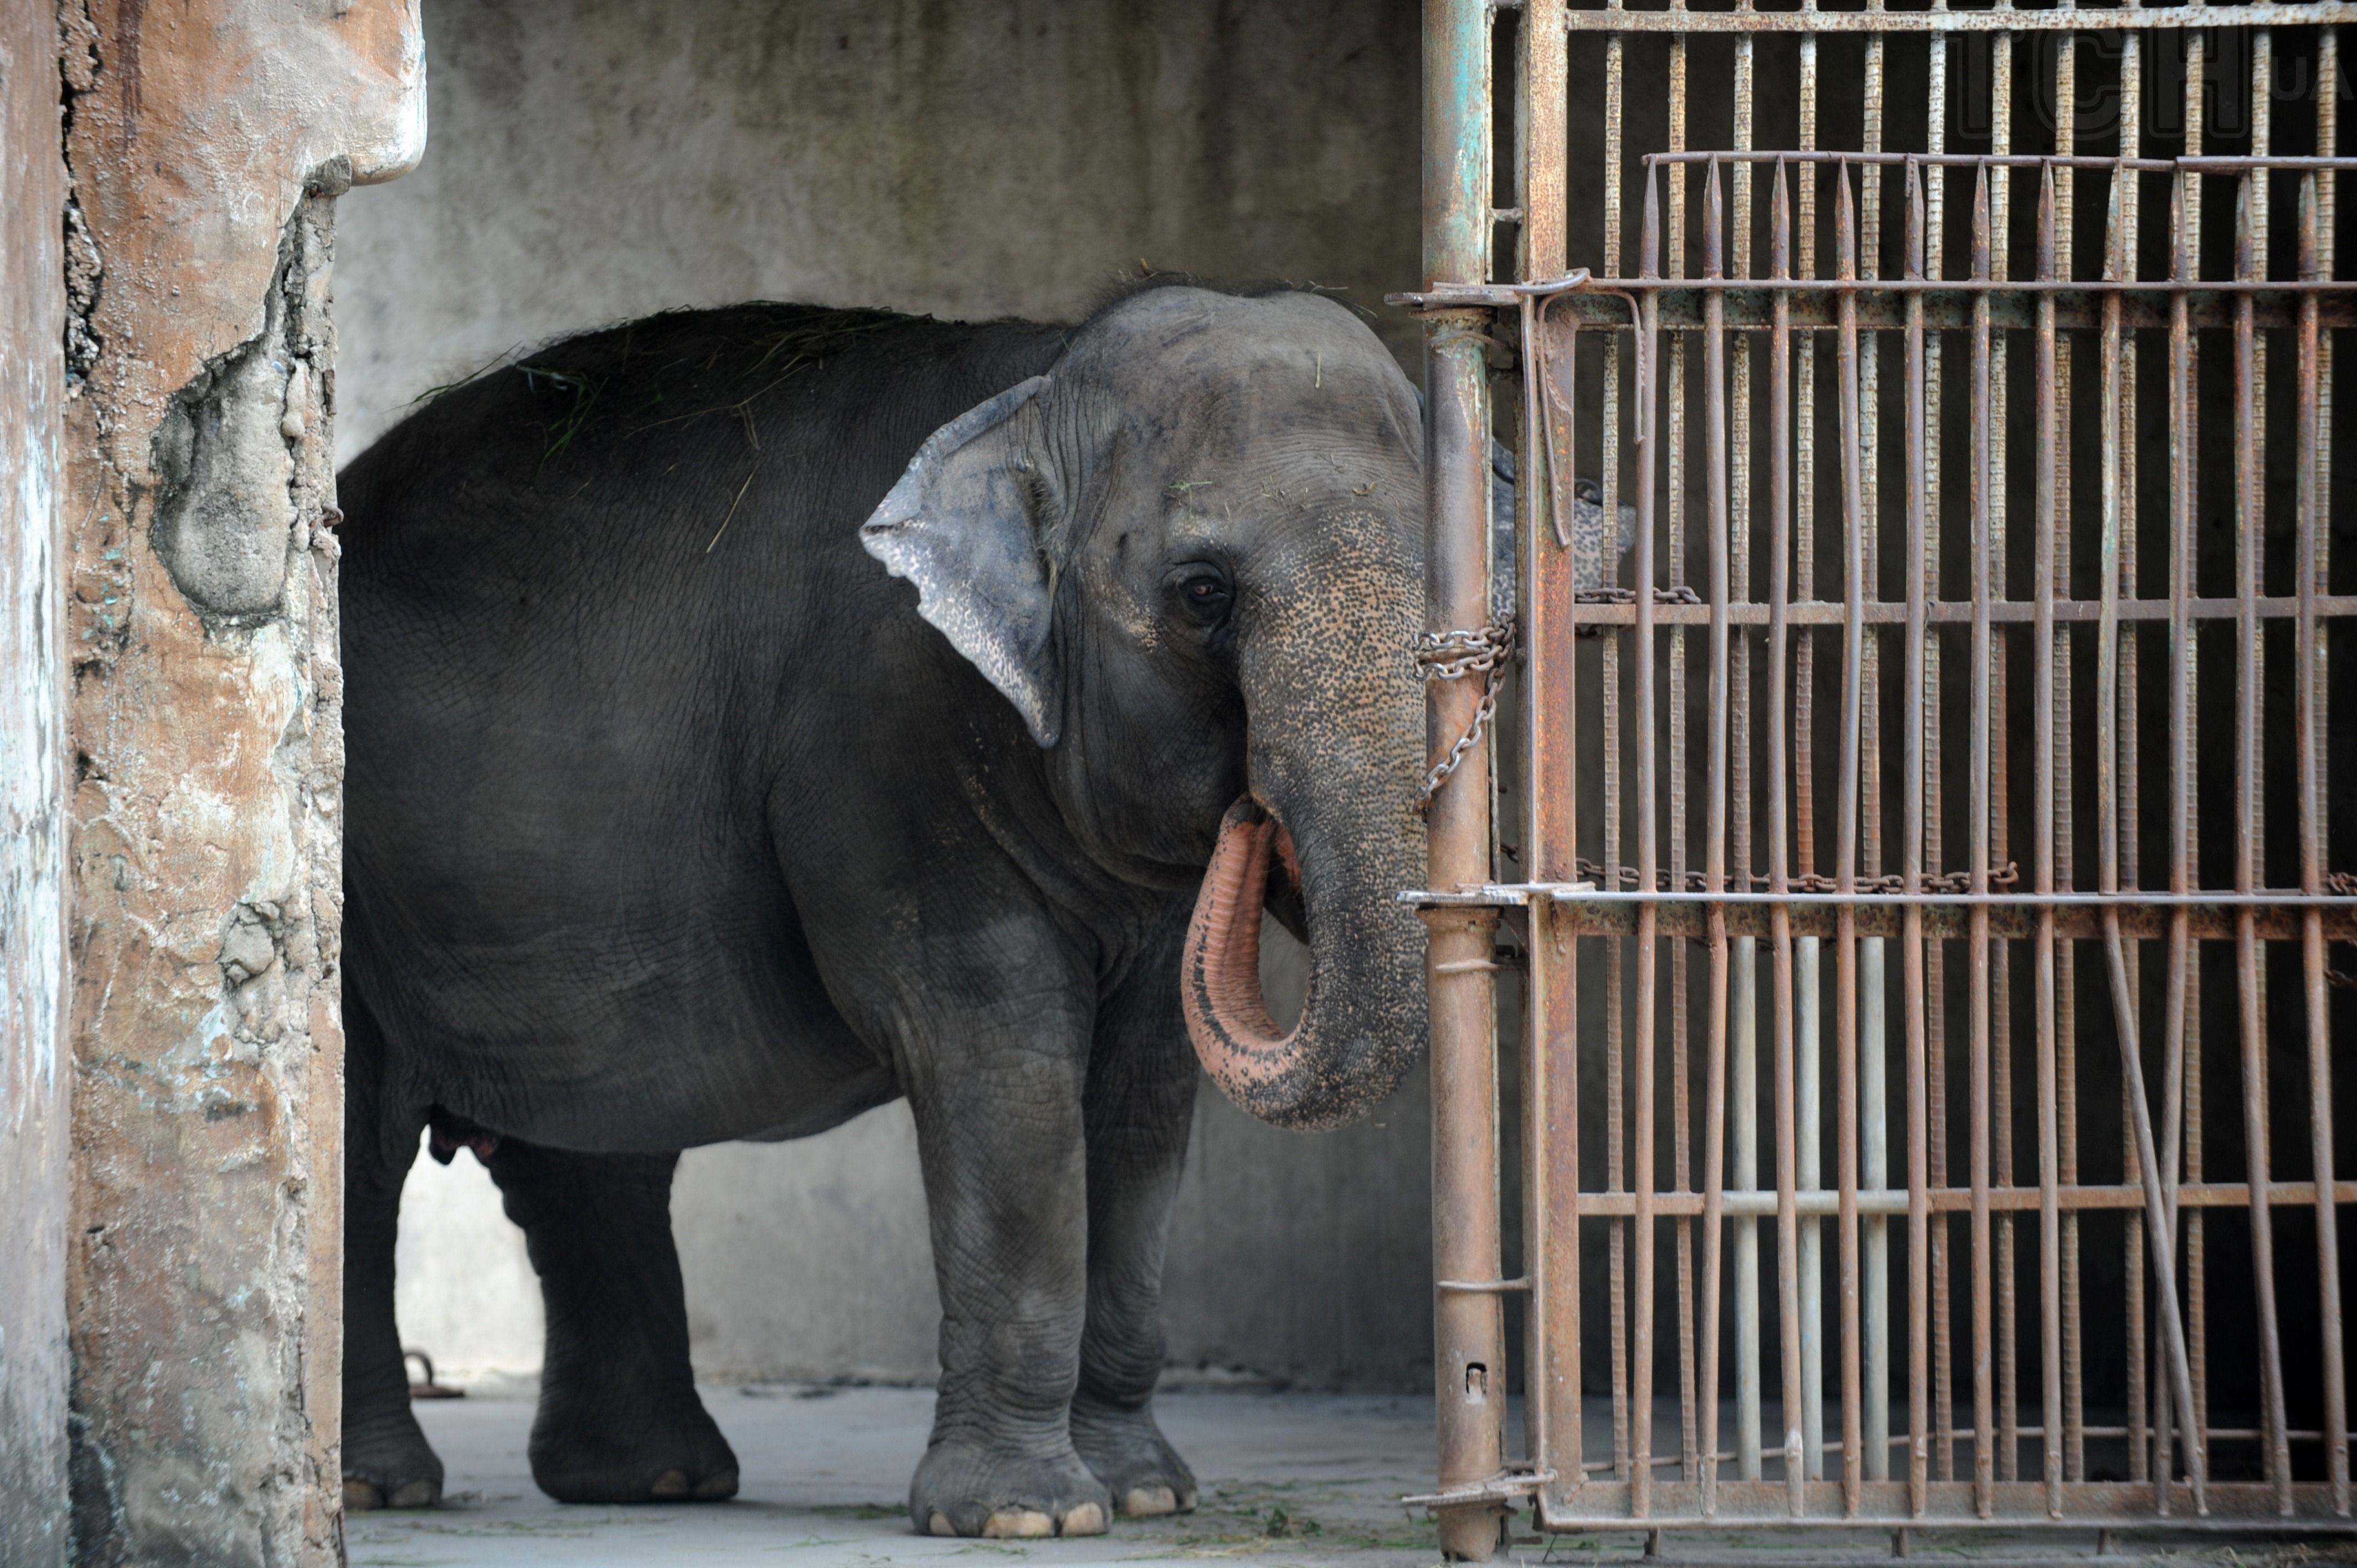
(754, 715)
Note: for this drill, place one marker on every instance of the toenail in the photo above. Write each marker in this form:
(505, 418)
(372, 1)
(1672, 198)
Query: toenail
(670, 1487)
(712, 1488)
(417, 1494)
(1145, 1502)
(1020, 1524)
(941, 1525)
(359, 1496)
(1086, 1519)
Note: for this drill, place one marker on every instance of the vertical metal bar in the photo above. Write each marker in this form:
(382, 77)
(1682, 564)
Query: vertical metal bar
(1780, 917)
(2120, 432)
(1910, 836)
(2116, 784)
(1608, 662)
(2313, 500)
(2000, 788)
(1935, 1022)
(1640, 1475)
(2157, 1170)
(2049, 1211)
(2250, 545)
(1745, 1043)
(1845, 1034)
(1874, 1146)
(1469, 1327)
(2181, 1042)
(1550, 1098)
(1983, 556)
(2184, 1110)
(1714, 830)
(1673, 467)
(1809, 982)
(2057, 789)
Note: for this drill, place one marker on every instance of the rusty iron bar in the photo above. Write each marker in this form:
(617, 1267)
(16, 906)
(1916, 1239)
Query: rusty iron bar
(1643, 404)
(1673, 464)
(1912, 786)
(2184, 1111)
(2046, 786)
(1714, 852)
(2055, 799)
(1873, 1089)
(1613, 21)
(1745, 1021)
(1780, 514)
(1934, 182)
(1553, 1427)
(1846, 831)
(1469, 1328)
(2250, 546)
(2309, 567)
(1608, 662)
(1983, 552)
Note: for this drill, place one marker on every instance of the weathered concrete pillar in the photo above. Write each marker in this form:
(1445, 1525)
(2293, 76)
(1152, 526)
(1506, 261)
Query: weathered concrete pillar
(205, 144)
(33, 1071)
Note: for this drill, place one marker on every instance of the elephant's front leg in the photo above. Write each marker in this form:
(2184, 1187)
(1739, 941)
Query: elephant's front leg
(997, 1102)
(1140, 1103)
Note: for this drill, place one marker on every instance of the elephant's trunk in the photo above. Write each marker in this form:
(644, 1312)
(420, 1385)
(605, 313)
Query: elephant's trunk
(1227, 1015)
(1362, 1022)
(1335, 752)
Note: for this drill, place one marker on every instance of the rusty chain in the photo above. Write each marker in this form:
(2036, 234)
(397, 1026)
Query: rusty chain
(1451, 656)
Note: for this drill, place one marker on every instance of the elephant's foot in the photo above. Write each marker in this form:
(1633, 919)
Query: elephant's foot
(590, 1451)
(963, 1488)
(1130, 1455)
(388, 1463)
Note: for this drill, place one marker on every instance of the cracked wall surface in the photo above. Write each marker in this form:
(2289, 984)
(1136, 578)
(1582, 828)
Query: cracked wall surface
(33, 1074)
(206, 143)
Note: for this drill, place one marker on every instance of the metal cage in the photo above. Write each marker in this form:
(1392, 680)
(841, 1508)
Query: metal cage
(1851, 826)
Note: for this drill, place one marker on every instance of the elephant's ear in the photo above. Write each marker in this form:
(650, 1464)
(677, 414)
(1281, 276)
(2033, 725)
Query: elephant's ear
(962, 524)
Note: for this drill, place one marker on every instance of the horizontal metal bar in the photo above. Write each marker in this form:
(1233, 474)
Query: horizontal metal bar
(1759, 1204)
(1959, 612)
(2233, 1506)
(2217, 163)
(1522, 1283)
(1749, 303)
(1497, 894)
(2012, 916)
(2005, 19)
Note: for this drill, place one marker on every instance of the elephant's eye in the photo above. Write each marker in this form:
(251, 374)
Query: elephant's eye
(1206, 594)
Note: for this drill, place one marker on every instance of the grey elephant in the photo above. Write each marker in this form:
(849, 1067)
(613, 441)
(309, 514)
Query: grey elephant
(758, 713)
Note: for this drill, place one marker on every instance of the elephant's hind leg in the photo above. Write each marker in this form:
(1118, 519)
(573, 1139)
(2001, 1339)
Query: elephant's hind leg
(387, 1461)
(618, 1421)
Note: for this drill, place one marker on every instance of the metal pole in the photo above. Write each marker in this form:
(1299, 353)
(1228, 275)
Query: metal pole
(1469, 1327)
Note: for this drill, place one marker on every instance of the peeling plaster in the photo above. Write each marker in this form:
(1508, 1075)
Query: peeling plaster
(206, 143)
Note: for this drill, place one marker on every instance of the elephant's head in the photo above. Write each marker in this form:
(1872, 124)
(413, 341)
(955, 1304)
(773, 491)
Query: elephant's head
(1192, 554)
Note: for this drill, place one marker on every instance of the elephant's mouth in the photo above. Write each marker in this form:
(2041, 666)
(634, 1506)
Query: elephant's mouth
(1253, 865)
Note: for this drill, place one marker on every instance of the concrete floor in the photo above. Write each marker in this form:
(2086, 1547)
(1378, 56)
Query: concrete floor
(1286, 1479)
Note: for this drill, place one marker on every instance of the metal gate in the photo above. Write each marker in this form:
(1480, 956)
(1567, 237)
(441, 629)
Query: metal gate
(1853, 814)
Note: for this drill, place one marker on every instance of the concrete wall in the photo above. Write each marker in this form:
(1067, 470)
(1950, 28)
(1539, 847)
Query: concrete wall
(205, 143)
(33, 1074)
(595, 160)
